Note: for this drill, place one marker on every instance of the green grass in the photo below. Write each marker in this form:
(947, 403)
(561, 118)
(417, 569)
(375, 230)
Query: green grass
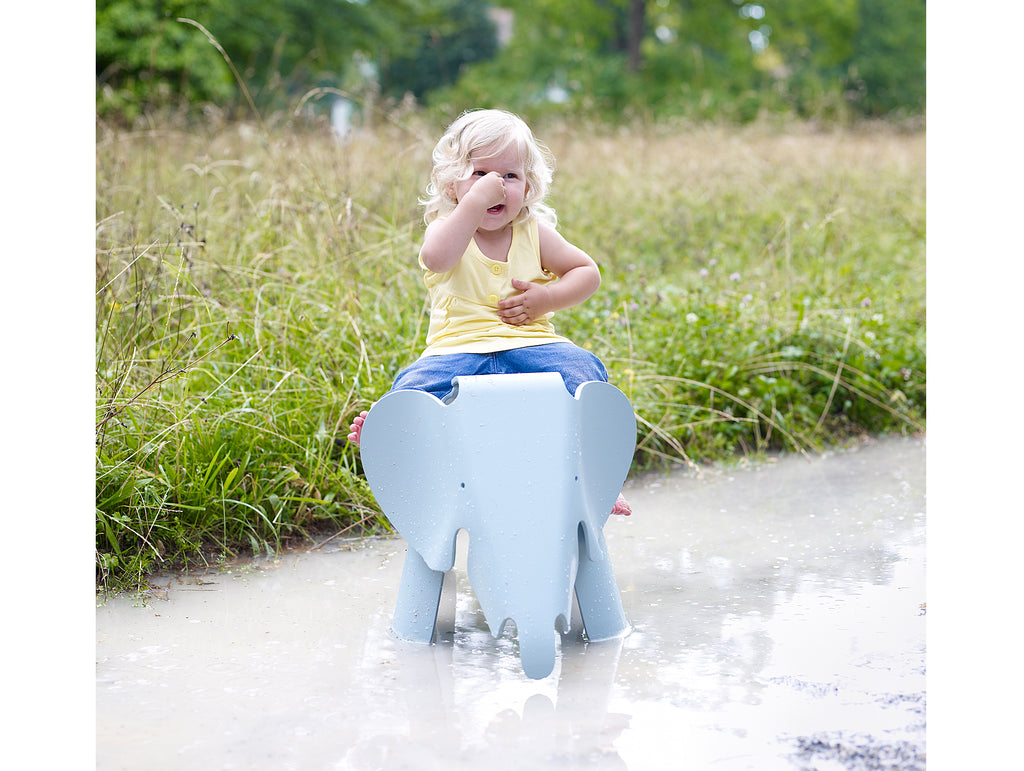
(257, 287)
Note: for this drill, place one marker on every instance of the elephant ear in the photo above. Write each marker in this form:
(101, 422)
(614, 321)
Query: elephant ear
(607, 442)
(408, 464)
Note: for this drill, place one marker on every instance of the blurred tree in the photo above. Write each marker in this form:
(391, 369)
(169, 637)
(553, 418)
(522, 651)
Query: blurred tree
(818, 35)
(707, 58)
(726, 59)
(146, 57)
(868, 54)
(614, 55)
(886, 68)
(459, 33)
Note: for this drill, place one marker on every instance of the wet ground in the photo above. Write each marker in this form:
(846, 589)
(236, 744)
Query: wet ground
(779, 623)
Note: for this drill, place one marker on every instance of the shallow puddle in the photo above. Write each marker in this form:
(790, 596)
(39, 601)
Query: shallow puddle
(778, 616)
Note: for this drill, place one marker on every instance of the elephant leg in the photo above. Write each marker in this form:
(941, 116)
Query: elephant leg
(537, 651)
(418, 598)
(597, 594)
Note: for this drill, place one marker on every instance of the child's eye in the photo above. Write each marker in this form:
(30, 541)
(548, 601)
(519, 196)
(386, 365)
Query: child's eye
(480, 173)
(512, 175)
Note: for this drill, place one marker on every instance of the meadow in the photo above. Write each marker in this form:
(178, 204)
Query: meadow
(256, 287)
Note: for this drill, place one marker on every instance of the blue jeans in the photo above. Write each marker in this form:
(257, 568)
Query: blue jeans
(434, 374)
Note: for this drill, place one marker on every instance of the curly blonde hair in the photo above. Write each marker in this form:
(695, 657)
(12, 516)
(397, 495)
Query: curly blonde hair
(486, 133)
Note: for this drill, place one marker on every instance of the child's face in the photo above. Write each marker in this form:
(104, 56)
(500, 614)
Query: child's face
(509, 167)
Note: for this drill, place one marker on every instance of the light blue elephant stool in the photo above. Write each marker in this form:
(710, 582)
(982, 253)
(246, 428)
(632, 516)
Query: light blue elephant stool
(531, 473)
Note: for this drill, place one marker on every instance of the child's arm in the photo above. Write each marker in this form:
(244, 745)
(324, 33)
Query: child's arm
(445, 240)
(578, 279)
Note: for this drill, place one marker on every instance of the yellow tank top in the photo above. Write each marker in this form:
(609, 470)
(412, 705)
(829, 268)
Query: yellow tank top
(464, 301)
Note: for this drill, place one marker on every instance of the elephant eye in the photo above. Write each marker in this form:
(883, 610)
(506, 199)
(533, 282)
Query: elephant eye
(462, 485)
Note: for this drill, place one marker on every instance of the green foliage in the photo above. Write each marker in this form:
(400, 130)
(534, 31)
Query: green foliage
(256, 289)
(463, 34)
(154, 54)
(830, 60)
(886, 71)
(145, 57)
(818, 35)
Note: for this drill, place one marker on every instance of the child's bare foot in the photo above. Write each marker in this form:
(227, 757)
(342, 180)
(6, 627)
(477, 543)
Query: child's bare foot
(357, 428)
(622, 507)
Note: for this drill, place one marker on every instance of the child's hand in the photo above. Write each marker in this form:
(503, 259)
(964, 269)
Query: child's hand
(487, 191)
(527, 307)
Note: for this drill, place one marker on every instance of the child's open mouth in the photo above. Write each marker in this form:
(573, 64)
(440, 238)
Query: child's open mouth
(496, 209)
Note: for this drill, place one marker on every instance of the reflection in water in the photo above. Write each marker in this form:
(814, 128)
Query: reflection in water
(776, 610)
(466, 696)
